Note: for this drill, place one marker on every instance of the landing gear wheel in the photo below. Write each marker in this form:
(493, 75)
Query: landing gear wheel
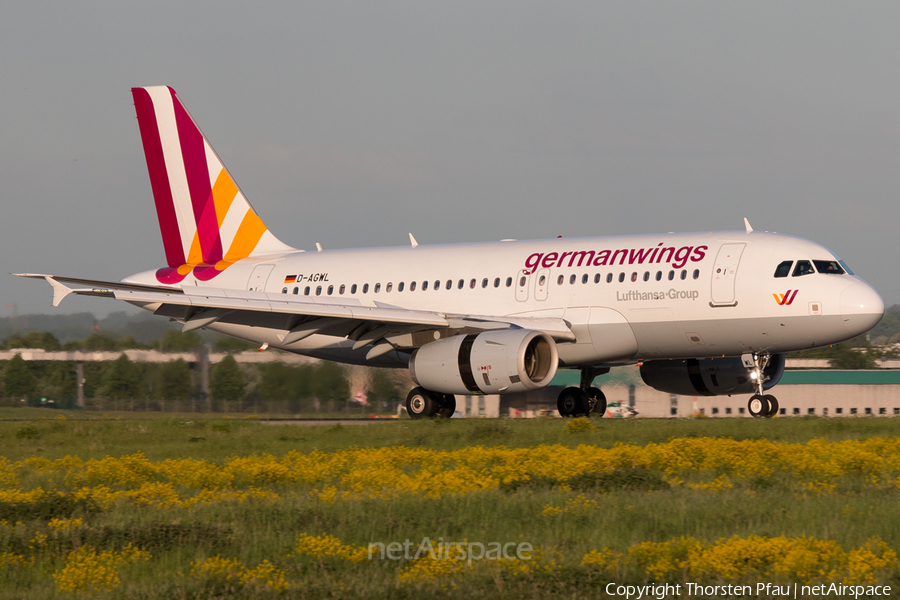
(420, 403)
(571, 402)
(448, 406)
(758, 406)
(773, 406)
(599, 400)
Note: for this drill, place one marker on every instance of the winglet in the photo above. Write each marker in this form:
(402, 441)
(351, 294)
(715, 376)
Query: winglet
(747, 225)
(412, 241)
(60, 291)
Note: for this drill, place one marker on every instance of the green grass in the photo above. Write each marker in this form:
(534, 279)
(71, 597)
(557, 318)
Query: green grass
(633, 506)
(214, 437)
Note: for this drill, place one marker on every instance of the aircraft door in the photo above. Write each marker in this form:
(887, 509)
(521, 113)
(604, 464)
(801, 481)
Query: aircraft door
(522, 286)
(541, 284)
(724, 274)
(257, 281)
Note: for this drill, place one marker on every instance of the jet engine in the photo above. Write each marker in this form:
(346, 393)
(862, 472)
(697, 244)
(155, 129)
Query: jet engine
(709, 376)
(508, 360)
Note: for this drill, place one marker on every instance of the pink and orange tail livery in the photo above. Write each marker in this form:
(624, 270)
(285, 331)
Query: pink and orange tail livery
(205, 220)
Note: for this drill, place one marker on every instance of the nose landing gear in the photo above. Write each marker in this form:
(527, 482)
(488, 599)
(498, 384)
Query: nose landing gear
(763, 406)
(584, 400)
(760, 404)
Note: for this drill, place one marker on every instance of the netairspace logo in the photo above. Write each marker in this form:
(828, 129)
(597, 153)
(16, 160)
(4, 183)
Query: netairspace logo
(467, 551)
(766, 590)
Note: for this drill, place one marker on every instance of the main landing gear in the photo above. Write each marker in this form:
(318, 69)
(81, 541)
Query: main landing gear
(584, 400)
(421, 403)
(760, 404)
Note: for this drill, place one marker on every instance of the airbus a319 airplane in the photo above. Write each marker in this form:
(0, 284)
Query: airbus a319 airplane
(704, 313)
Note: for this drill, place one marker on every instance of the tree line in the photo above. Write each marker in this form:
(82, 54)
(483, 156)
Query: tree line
(124, 384)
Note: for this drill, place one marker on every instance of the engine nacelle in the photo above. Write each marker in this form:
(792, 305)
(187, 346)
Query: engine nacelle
(493, 362)
(709, 376)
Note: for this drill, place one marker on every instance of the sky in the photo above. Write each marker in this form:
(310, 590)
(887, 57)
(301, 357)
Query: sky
(353, 123)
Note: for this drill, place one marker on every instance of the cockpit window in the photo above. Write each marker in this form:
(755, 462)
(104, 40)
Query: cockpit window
(846, 268)
(804, 267)
(784, 269)
(830, 267)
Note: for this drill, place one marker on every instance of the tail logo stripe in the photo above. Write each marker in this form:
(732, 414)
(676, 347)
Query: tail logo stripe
(193, 154)
(248, 235)
(224, 192)
(206, 222)
(163, 102)
(159, 178)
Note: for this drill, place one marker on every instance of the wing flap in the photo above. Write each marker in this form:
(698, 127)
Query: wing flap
(363, 313)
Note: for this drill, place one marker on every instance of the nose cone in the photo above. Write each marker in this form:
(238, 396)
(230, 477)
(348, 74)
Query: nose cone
(861, 308)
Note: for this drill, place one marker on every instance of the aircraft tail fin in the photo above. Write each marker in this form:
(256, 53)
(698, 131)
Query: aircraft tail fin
(205, 220)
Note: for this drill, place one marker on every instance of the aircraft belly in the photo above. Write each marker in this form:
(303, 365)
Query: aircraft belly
(801, 331)
(601, 335)
(325, 347)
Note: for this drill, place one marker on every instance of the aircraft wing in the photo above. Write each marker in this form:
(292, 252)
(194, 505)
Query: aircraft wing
(383, 326)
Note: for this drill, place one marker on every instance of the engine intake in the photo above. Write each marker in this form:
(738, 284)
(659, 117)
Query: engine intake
(493, 362)
(709, 376)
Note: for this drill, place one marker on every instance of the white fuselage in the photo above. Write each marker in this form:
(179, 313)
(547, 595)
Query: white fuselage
(626, 298)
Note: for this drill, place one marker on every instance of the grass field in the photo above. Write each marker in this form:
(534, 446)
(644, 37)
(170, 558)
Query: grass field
(188, 507)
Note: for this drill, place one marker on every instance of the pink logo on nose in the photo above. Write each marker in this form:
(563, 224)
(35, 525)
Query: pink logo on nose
(785, 299)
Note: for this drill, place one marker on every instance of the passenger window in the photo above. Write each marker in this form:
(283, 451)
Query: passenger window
(634, 277)
(388, 287)
(437, 284)
(597, 278)
(542, 280)
(659, 275)
(671, 275)
(377, 288)
(508, 281)
(412, 286)
(353, 289)
(365, 288)
(784, 269)
(560, 280)
(484, 282)
(318, 290)
(646, 275)
(424, 285)
(804, 267)
(572, 279)
(460, 284)
(400, 286)
(472, 284)
(696, 273)
(306, 291)
(449, 284)
(296, 291)
(584, 278)
(609, 277)
(496, 282)
(684, 274)
(284, 290)
(621, 277)
(522, 281)
(342, 289)
(330, 289)
(829, 267)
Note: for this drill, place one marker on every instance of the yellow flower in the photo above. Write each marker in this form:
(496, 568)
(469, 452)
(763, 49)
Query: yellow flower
(88, 570)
